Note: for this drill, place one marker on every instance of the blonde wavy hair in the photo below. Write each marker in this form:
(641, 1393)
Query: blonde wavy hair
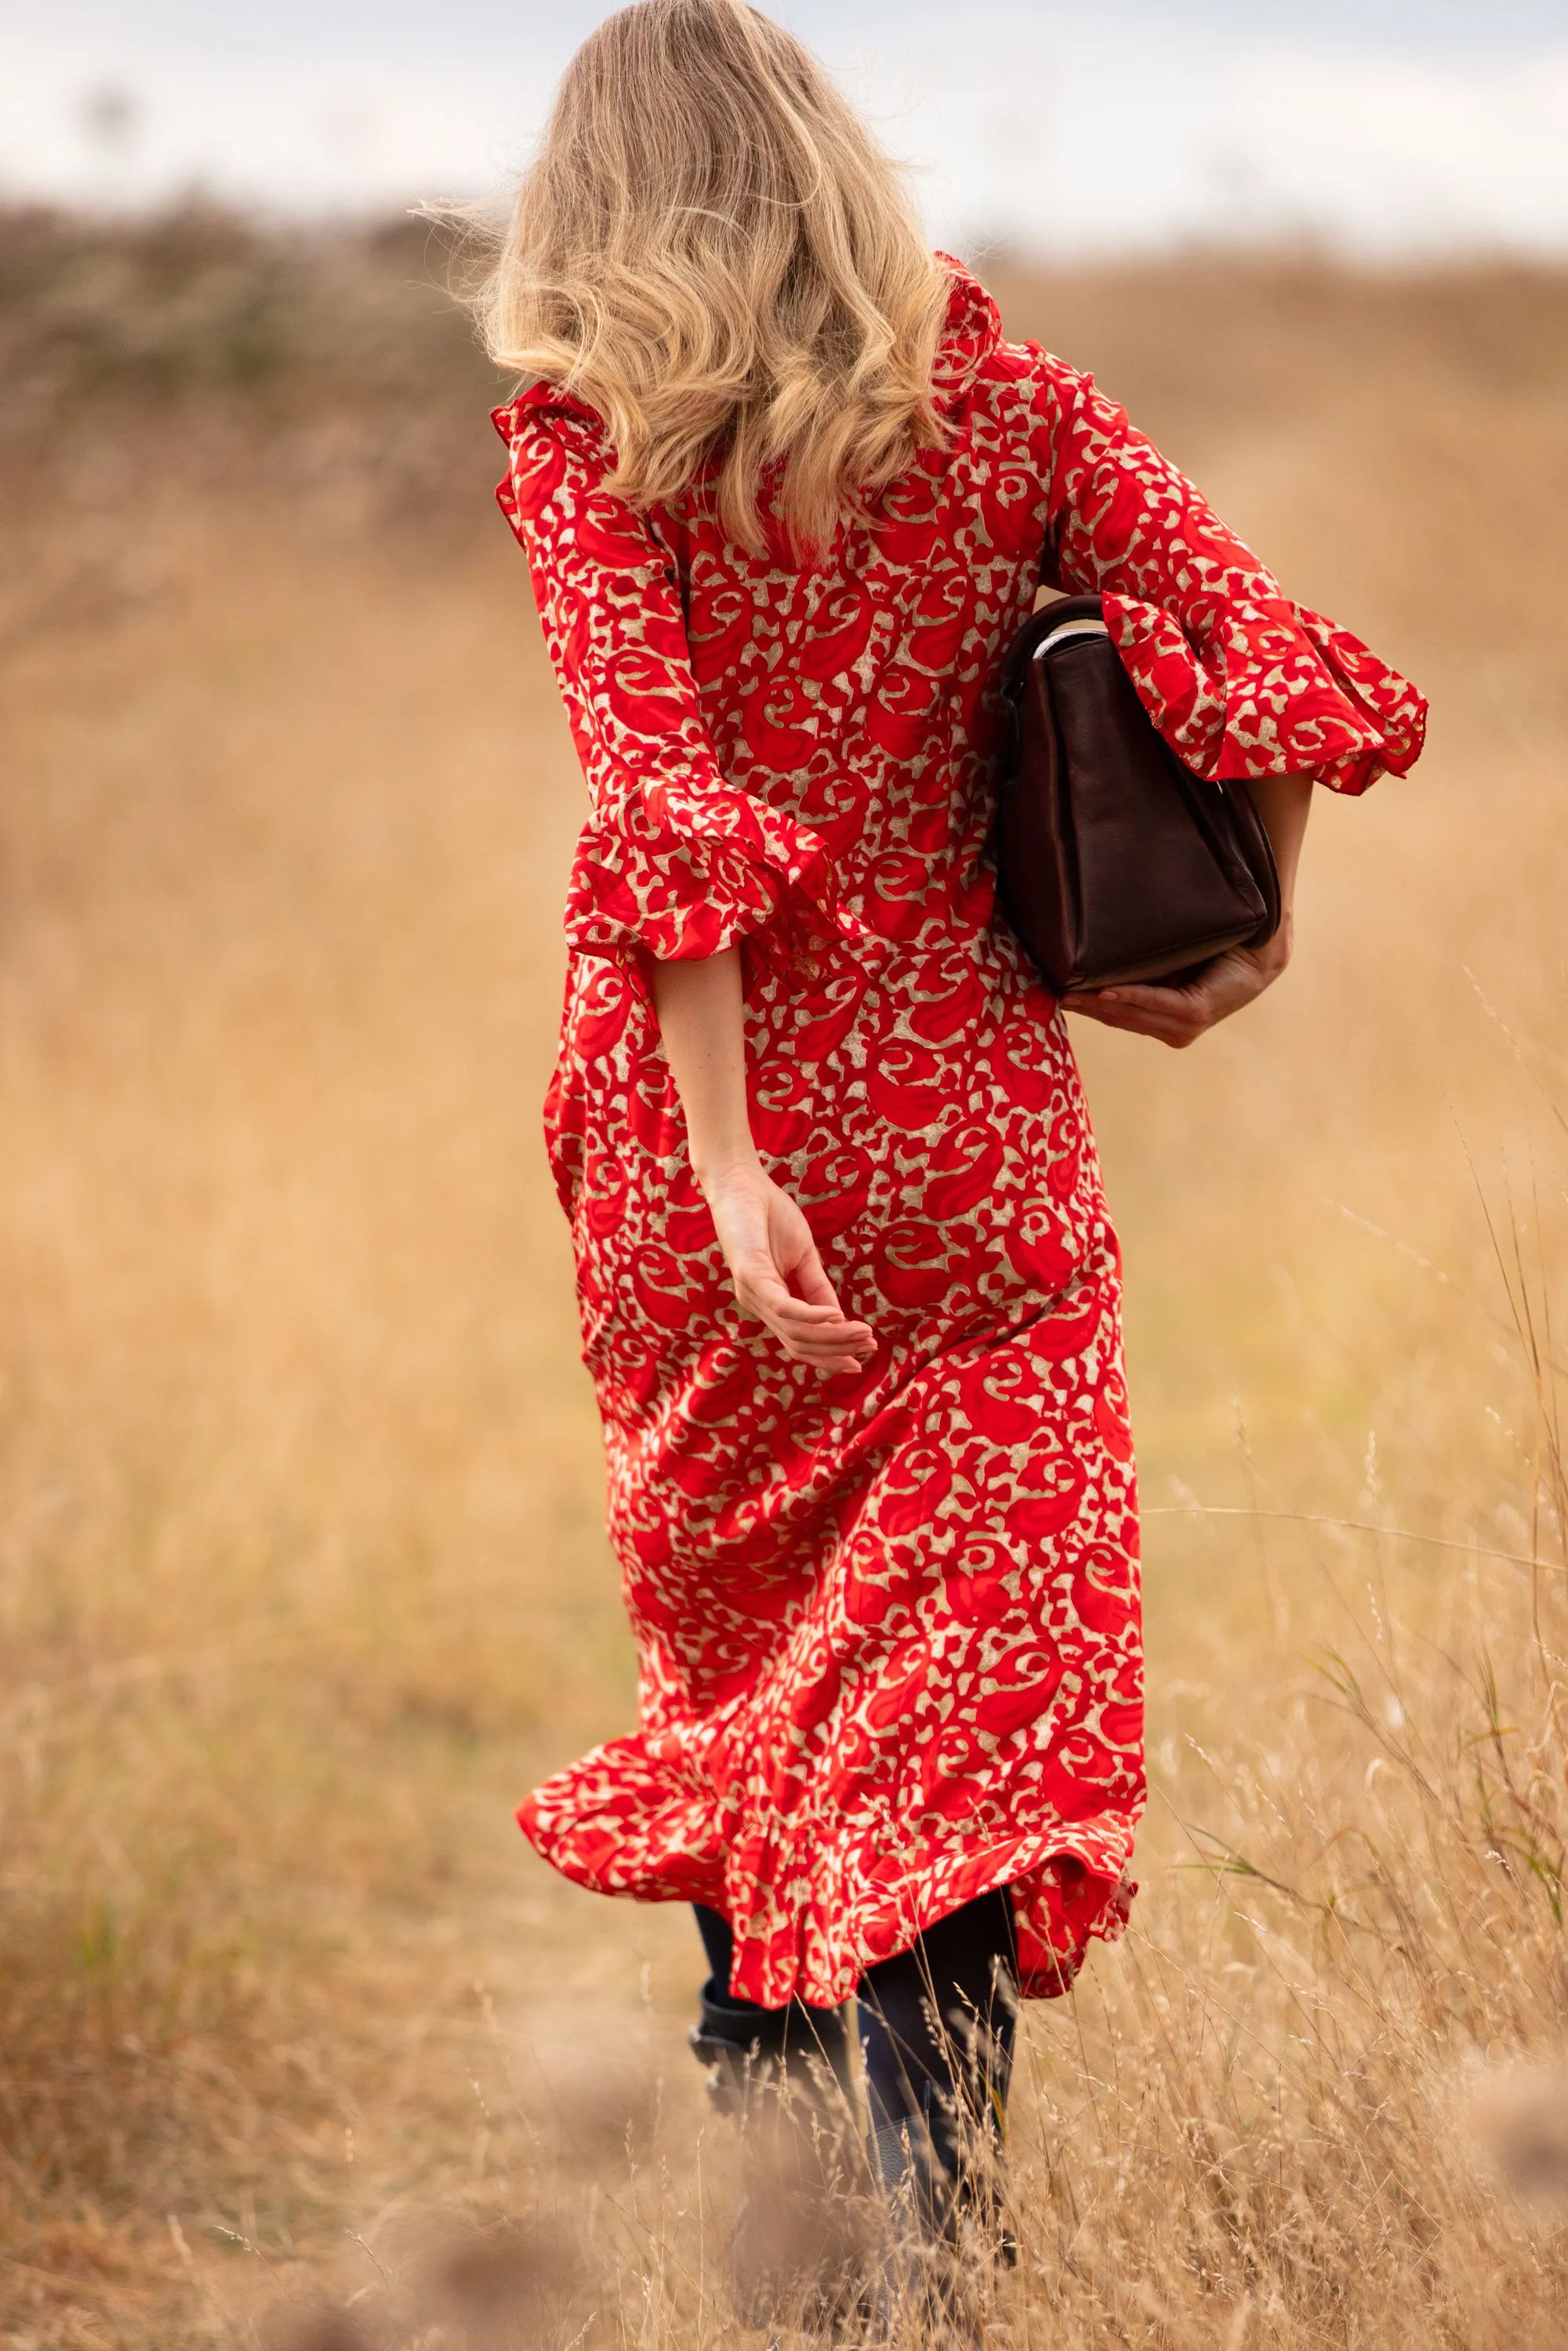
(711, 250)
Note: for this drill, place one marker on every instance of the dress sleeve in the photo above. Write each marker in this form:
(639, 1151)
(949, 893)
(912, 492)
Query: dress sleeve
(673, 859)
(1239, 681)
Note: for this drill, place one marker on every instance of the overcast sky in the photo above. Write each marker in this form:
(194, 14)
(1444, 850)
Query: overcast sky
(1384, 126)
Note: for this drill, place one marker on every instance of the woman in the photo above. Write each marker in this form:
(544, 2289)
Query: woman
(848, 1283)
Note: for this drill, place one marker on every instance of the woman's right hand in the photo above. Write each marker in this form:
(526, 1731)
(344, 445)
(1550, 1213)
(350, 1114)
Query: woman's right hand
(777, 1272)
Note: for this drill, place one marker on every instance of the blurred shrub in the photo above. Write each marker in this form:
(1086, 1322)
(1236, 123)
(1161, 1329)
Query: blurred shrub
(199, 300)
(167, 383)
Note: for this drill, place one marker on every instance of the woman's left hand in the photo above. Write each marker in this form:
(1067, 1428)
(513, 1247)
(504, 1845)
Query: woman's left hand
(1179, 1015)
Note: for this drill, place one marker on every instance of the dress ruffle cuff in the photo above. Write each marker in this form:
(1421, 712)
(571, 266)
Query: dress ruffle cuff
(1274, 690)
(681, 875)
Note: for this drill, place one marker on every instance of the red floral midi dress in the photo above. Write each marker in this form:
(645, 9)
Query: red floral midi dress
(888, 1622)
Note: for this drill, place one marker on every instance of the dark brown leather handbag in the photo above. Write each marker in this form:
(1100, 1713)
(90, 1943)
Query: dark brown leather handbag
(1114, 862)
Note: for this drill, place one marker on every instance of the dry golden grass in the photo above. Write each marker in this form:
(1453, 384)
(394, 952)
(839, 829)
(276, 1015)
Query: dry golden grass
(302, 1574)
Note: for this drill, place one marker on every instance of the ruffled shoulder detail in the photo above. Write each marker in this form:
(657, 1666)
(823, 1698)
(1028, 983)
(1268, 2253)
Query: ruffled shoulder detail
(542, 398)
(971, 333)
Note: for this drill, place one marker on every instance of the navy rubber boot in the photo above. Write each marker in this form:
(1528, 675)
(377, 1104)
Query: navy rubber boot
(784, 2075)
(750, 2051)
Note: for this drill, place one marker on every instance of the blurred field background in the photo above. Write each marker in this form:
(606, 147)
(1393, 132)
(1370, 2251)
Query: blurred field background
(302, 1578)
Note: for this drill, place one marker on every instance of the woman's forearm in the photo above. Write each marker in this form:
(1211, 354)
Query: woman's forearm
(699, 1009)
(765, 1239)
(1284, 803)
